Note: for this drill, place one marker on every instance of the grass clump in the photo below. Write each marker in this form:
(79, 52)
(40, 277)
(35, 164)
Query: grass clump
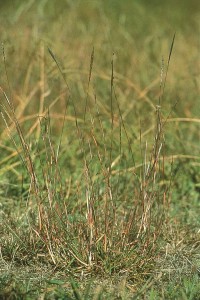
(90, 224)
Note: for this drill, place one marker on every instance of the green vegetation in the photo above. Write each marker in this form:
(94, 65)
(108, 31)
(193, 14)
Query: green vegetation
(99, 166)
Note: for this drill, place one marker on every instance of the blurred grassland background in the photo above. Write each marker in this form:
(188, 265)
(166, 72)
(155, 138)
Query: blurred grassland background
(136, 36)
(139, 33)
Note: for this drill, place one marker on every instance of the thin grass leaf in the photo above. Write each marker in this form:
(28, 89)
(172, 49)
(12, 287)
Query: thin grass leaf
(75, 290)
